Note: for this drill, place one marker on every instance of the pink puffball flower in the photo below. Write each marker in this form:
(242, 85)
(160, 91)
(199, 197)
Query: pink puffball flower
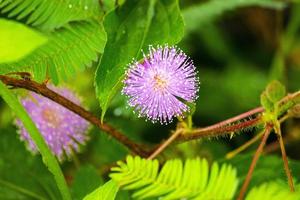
(63, 130)
(160, 86)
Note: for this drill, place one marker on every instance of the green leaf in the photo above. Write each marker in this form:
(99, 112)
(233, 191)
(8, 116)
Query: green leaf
(50, 14)
(69, 49)
(266, 103)
(130, 28)
(48, 158)
(275, 91)
(17, 40)
(86, 180)
(272, 191)
(107, 191)
(32, 180)
(174, 181)
(198, 15)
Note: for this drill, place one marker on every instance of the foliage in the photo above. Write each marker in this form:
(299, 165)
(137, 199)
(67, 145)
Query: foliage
(48, 158)
(86, 180)
(272, 191)
(68, 49)
(193, 180)
(238, 47)
(50, 14)
(263, 173)
(32, 180)
(106, 192)
(17, 45)
(139, 24)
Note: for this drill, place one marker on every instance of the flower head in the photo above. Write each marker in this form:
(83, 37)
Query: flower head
(159, 87)
(62, 130)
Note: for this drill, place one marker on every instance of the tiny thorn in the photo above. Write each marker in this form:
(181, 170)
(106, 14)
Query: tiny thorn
(46, 81)
(244, 146)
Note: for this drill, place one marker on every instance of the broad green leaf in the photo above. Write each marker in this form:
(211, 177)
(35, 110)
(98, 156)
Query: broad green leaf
(85, 181)
(196, 16)
(130, 28)
(48, 158)
(107, 191)
(17, 40)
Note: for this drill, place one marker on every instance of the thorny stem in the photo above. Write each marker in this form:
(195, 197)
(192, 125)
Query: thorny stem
(285, 161)
(219, 129)
(254, 161)
(244, 146)
(46, 92)
(253, 140)
(234, 119)
(275, 145)
(166, 143)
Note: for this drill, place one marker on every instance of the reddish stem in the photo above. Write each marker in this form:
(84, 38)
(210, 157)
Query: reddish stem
(165, 144)
(219, 131)
(46, 92)
(254, 161)
(285, 162)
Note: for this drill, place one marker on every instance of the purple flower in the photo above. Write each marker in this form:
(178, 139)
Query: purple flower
(159, 87)
(62, 130)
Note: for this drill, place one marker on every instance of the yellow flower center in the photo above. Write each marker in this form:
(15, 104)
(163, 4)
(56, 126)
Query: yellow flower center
(50, 116)
(160, 84)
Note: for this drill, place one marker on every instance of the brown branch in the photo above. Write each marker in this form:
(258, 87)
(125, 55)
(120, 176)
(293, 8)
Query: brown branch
(46, 92)
(219, 131)
(254, 161)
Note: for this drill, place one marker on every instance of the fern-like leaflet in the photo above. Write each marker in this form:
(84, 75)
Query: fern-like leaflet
(68, 49)
(194, 180)
(50, 14)
(272, 191)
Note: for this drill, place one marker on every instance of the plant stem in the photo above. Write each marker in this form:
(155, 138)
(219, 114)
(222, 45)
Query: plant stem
(46, 92)
(234, 119)
(254, 161)
(166, 143)
(244, 146)
(218, 131)
(285, 161)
